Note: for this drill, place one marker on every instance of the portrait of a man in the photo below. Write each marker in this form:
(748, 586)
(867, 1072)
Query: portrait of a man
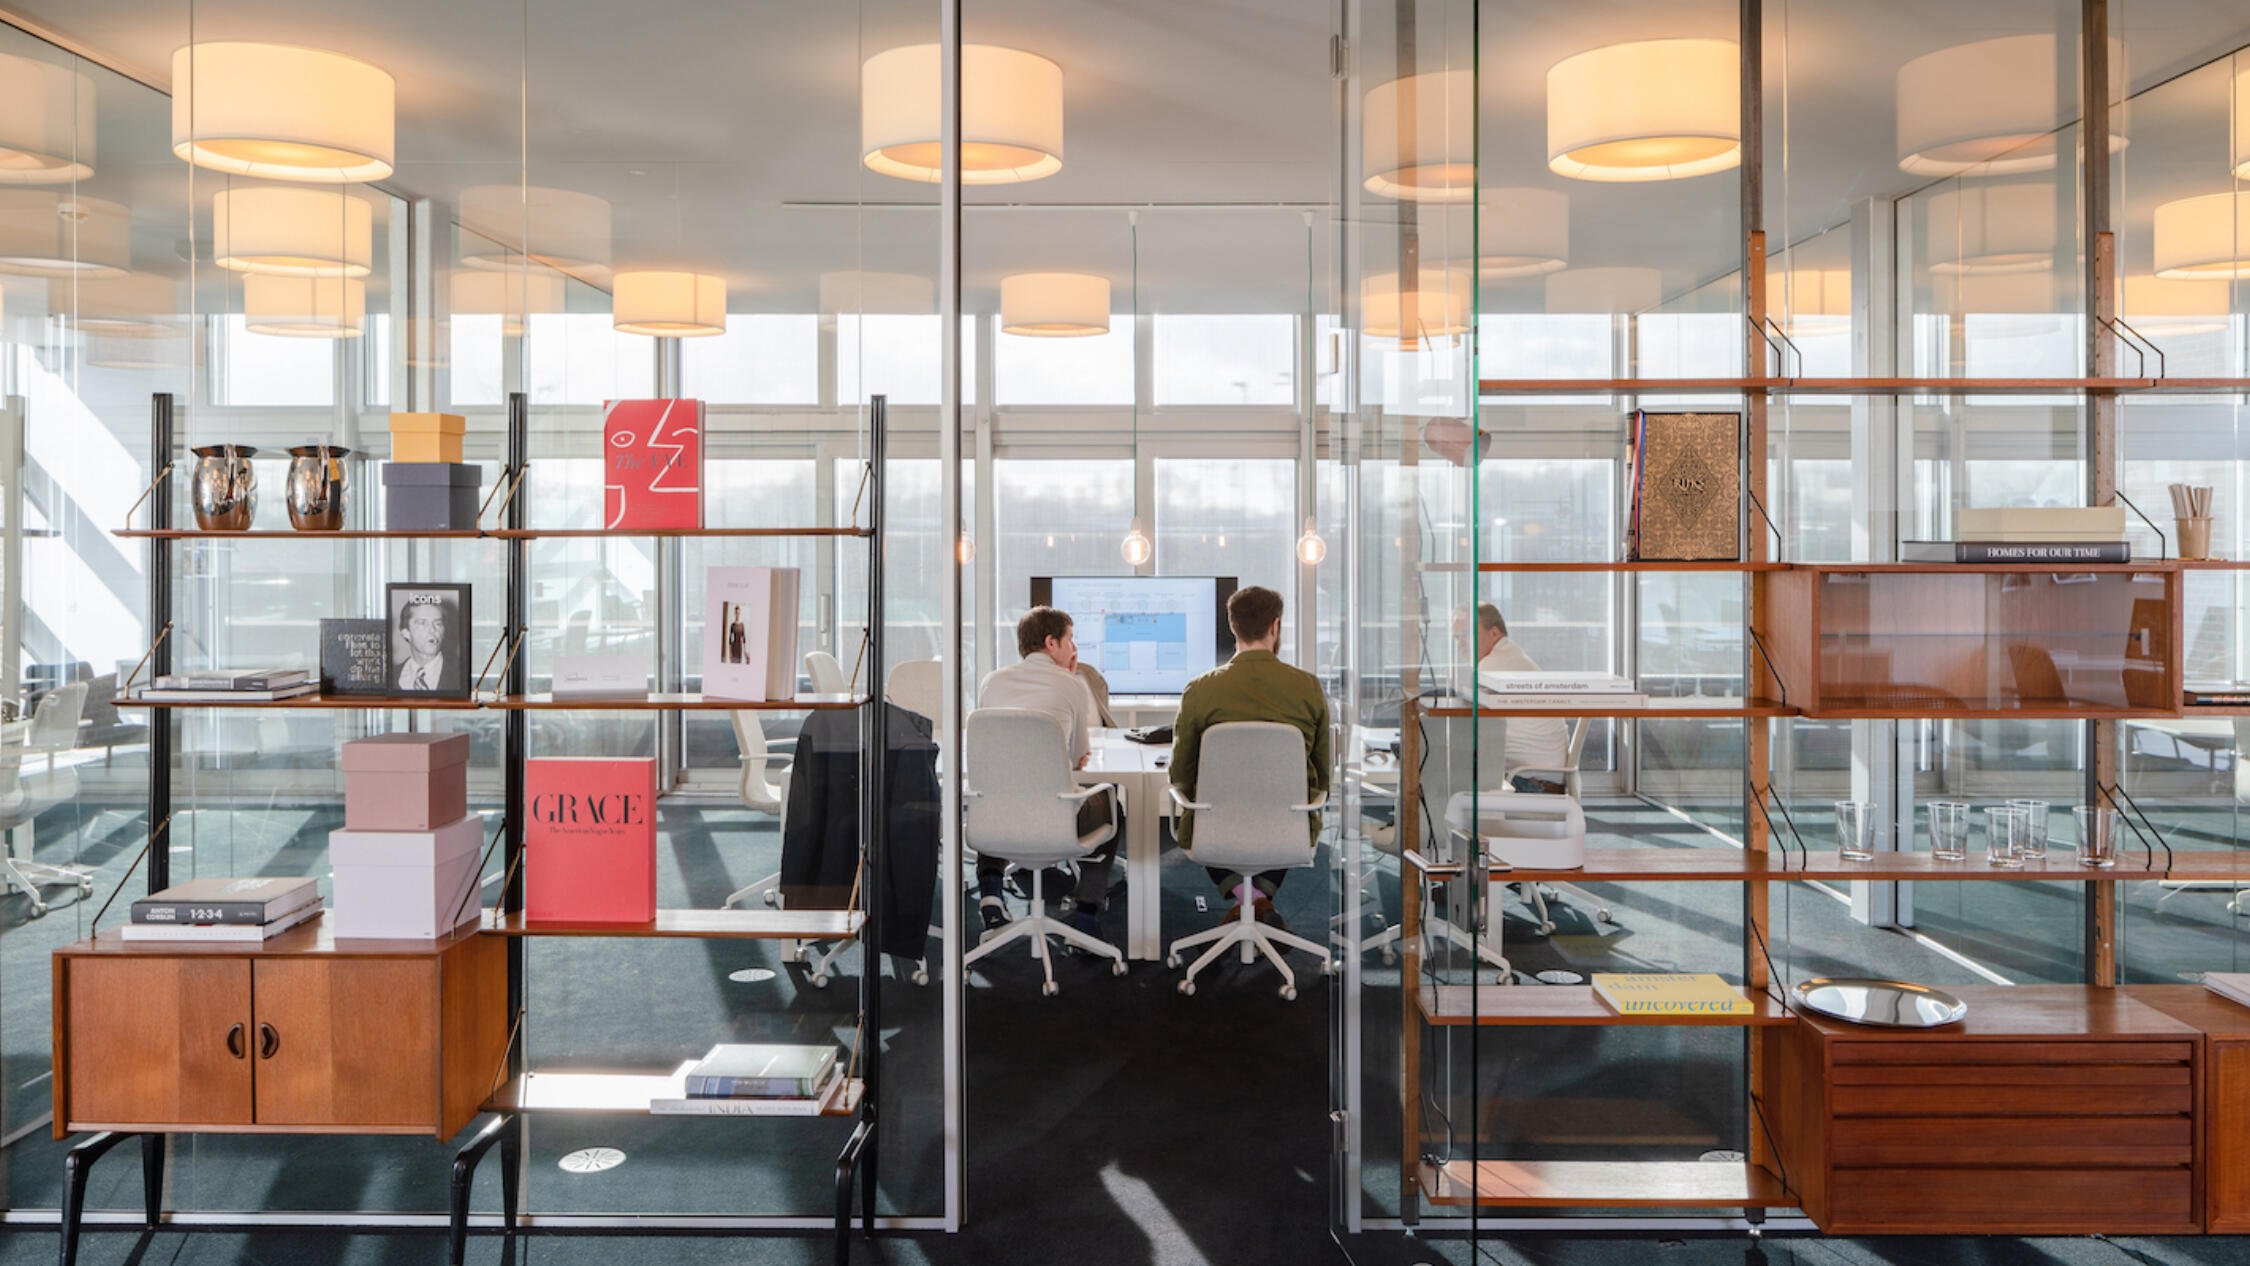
(429, 639)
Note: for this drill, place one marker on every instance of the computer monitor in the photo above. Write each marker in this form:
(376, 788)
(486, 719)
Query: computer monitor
(1148, 635)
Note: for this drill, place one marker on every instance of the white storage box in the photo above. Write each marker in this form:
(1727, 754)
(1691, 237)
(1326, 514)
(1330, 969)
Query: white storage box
(405, 884)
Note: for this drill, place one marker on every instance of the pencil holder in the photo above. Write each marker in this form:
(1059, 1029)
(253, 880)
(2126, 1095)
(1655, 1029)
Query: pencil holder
(2195, 536)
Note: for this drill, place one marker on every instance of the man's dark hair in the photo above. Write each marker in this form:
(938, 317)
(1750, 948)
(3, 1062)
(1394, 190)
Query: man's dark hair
(1488, 617)
(406, 610)
(1037, 625)
(1253, 612)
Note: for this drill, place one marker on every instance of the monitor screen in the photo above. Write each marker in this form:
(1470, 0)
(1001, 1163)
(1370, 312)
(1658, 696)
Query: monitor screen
(1147, 635)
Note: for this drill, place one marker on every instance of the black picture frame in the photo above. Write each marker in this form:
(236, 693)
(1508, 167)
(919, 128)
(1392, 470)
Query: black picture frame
(444, 673)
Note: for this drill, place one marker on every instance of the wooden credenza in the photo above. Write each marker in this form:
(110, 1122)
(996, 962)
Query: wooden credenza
(2057, 1110)
(302, 1034)
(2225, 1110)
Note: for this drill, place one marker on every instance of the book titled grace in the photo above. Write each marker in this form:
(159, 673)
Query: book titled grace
(589, 840)
(652, 464)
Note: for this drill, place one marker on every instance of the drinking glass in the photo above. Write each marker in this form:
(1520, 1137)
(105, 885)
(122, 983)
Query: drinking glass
(2097, 836)
(1855, 830)
(2004, 829)
(2033, 847)
(1949, 831)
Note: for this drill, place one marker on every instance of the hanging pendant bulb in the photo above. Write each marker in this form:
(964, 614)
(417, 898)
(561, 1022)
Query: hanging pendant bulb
(1136, 547)
(1312, 551)
(965, 549)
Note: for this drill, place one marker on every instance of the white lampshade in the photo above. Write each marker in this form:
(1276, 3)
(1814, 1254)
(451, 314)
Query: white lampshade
(2162, 304)
(884, 294)
(1054, 305)
(1811, 292)
(561, 228)
(1523, 233)
(1599, 291)
(282, 112)
(48, 234)
(1996, 228)
(46, 122)
(304, 307)
(512, 293)
(1992, 105)
(1419, 137)
(669, 305)
(2206, 237)
(287, 231)
(2030, 298)
(1440, 305)
(130, 305)
(1011, 114)
(2242, 124)
(1654, 110)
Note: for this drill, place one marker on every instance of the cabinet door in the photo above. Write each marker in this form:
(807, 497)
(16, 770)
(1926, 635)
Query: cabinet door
(346, 1042)
(158, 1041)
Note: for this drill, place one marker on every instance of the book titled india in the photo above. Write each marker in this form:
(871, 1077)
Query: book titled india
(589, 839)
(743, 1070)
(352, 657)
(1688, 487)
(652, 463)
(224, 899)
(1669, 993)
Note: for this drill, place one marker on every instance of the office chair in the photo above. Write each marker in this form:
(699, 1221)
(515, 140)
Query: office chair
(762, 759)
(827, 675)
(1537, 893)
(1098, 686)
(1023, 808)
(53, 728)
(918, 685)
(1250, 805)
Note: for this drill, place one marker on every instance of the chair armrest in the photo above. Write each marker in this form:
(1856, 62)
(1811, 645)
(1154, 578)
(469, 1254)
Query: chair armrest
(1314, 805)
(1179, 798)
(1085, 793)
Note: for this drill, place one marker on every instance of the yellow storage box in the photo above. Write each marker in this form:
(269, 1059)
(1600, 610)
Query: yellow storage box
(427, 437)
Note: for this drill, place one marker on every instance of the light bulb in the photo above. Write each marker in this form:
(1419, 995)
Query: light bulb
(1136, 547)
(1311, 550)
(965, 549)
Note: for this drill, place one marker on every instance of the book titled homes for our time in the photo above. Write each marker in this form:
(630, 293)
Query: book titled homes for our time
(1669, 993)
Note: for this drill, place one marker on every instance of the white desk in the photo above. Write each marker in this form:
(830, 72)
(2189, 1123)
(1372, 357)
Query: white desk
(1134, 768)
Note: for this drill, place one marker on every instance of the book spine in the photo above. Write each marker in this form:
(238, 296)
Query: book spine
(751, 1087)
(2211, 699)
(697, 1107)
(187, 912)
(2042, 552)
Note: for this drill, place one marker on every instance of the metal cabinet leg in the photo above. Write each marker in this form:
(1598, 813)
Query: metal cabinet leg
(152, 1176)
(501, 1129)
(511, 1172)
(78, 1163)
(847, 1166)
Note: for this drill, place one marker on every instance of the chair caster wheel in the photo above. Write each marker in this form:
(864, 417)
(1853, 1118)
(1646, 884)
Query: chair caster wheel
(38, 909)
(1050, 989)
(1117, 967)
(1187, 988)
(1547, 928)
(1171, 960)
(1604, 916)
(772, 900)
(1289, 993)
(819, 980)
(921, 976)
(1387, 954)
(1328, 967)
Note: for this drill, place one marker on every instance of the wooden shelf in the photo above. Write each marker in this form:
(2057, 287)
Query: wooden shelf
(309, 939)
(1567, 1005)
(316, 700)
(1728, 865)
(1858, 386)
(1653, 709)
(1604, 1184)
(1656, 566)
(1979, 569)
(268, 534)
(536, 534)
(513, 703)
(1625, 386)
(606, 1092)
(768, 925)
(484, 534)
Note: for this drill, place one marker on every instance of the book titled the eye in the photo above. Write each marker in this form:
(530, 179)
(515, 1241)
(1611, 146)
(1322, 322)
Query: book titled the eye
(589, 840)
(652, 465)
(1669, 993)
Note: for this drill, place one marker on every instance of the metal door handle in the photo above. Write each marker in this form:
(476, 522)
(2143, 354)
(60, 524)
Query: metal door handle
(268, 1040)
(234, 1041)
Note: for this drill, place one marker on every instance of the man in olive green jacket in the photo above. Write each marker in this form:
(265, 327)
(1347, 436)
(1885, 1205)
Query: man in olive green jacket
(1253, 686)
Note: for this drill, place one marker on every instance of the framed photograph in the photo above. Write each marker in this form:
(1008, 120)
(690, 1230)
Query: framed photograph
(429, 640)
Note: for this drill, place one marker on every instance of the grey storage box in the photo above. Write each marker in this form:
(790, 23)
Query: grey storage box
(430, 496)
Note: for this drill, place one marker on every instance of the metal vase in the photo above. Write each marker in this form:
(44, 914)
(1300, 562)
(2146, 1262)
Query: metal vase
(315, 491)
(224, 487)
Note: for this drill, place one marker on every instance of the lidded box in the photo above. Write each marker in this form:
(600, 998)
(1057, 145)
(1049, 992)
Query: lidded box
(405, 884)
(405, 782)
(430, 496)
(427, 437)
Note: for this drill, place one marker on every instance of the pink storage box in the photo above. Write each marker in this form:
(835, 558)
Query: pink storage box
(405, 885)
(405, 782)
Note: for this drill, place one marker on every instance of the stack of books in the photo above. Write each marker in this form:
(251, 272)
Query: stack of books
(223, 909)
(1562, 691)
(2234, 986)
(2218, 694)
(737, 1079)
(246, 685)
(2029, 534)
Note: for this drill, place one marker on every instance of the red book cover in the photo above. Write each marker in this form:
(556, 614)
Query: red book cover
(589, 840)
(652, 464)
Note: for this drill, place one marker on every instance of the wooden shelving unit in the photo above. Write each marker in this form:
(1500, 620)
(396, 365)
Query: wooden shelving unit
(1511, 1184)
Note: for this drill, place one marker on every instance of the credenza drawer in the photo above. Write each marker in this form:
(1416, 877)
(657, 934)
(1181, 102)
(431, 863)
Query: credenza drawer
(2044, 1054)
(2021, 1199)
(2121, 1141)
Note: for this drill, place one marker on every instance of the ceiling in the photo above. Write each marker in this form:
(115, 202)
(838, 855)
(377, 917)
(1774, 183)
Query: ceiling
(725, 137)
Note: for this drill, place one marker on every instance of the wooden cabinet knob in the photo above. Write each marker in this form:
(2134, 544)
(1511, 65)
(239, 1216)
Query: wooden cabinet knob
(269, 1041)
(234, 1042)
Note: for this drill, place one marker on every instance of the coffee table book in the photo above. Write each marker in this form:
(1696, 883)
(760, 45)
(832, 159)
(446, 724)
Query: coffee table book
(226, 899)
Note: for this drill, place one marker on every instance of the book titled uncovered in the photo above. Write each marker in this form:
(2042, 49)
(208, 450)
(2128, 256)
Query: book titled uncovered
(738, 1070)
(1669, 993)
(223, 899)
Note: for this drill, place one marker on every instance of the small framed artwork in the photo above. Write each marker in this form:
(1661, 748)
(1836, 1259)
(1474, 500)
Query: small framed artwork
(429, 640)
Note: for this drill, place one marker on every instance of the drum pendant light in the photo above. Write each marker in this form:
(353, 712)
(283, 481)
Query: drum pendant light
(2205, 237)
(1439, 306)
(1011, 115)
(46, 122)
(286, 231)
(304, 307)
(1419, 137)
(669, 304)
(502, 225)
(1054, 305)
(1991, 106)
(44, 233)
(1522, 233)
(1653, 110)
(283, 112)
(1993, 228)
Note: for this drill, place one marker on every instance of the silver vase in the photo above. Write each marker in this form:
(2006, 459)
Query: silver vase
(315, 491)
(224, 487)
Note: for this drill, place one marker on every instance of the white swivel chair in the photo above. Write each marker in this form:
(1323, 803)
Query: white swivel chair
(1538, 893)
(918, 685)
(1023, 807)
(827, 675)
(54, 727)
(1250, 808)
(762, 759)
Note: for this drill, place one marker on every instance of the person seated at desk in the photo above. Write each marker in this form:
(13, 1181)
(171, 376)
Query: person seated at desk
(1046, 680)
(1253, 686)
(1531, 742)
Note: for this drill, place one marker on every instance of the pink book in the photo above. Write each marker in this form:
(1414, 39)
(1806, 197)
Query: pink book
(589, 840)
(652, 464)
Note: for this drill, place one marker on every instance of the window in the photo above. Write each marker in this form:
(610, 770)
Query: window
(1226, 359)
(1054, 518)
(898, 357)
(914, 563)
(578, 358)
(763, 358)
(1097, 369)
(270, 369)
(1238, 517)
(474, 354)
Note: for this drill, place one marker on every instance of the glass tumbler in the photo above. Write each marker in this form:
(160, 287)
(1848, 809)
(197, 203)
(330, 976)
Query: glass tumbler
(2033, 847)
(2097, 836)
(1949, 831)
(1855, 830)
(2004, 829)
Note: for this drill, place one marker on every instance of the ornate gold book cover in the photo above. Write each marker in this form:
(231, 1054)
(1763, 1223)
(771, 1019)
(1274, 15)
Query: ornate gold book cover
(1690, 487)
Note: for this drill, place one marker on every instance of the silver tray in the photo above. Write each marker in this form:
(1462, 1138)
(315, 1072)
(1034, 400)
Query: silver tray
(1891, 1004)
